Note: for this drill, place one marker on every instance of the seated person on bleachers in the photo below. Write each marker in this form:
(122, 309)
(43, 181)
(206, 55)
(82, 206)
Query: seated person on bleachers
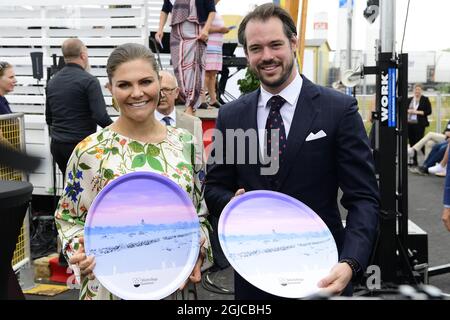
(436, 161)
(428, 141)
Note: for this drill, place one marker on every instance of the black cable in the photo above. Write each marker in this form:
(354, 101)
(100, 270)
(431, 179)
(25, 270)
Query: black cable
(404, 27)
(209, 285)
(55, 201)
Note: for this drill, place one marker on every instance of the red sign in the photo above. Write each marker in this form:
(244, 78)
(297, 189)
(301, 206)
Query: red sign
(320, 25)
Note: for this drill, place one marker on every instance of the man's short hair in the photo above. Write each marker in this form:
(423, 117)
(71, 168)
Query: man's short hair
(72, 48)
(171, 74)
(128, 52)
(263, 13)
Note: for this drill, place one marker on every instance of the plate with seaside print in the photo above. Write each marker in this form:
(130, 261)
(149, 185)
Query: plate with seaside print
(144, 232)
(277, 243)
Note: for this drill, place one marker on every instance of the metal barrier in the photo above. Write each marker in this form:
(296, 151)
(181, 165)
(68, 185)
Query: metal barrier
(438, 119)
(441, 111)
(12, 133)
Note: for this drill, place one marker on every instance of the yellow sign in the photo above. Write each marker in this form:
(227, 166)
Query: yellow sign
(47, 290)
(232, 20)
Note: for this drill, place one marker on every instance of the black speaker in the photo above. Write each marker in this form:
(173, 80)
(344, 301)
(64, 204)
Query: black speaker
(61, 63)
(36, 61)
(228, 49)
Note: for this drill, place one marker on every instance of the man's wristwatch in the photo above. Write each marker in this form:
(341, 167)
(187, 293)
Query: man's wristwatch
(354, 265)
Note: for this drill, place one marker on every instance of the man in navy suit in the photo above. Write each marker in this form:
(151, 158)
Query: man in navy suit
(327, 148)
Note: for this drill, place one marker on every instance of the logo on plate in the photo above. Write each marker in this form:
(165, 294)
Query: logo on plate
(137, 282)
(287, 281)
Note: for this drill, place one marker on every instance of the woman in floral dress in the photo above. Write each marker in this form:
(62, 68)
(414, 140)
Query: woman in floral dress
(136, 141)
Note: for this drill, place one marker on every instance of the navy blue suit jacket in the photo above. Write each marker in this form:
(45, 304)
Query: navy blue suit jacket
(313, 170)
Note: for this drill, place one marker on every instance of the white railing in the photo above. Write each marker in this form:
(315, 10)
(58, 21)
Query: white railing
(42, 25)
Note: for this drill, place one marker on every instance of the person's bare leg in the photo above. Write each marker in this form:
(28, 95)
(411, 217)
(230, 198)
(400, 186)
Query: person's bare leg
(203, 93)
(189, 110)
(203, 103)
(211, 85)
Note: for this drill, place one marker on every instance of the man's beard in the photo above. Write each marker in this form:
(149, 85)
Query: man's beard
(274, 84)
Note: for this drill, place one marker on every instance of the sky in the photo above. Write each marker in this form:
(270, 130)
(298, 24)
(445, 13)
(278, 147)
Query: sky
(427, 20)
(128, 203)
(267, 214)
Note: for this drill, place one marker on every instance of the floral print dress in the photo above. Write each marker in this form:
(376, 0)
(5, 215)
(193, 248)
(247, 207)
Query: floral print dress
(106, 155)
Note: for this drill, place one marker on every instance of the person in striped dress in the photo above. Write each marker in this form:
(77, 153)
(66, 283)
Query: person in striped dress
(214, 59)
(191, 21)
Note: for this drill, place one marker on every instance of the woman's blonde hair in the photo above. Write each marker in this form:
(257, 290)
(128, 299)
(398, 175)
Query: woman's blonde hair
(3, 66)
(129, 52)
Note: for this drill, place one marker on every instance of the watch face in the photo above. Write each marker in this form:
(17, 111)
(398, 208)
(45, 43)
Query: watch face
(277, 243)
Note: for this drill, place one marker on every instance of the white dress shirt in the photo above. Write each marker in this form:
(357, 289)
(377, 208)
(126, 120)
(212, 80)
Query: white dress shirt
(173, 117)
(290, 94)
(413, 105)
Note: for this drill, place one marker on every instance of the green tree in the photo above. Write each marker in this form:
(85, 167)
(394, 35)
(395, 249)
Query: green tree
(249, 83)
(444, 88)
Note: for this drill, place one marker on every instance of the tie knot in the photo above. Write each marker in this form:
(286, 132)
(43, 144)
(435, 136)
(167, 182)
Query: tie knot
(167, 120)
(275, 103)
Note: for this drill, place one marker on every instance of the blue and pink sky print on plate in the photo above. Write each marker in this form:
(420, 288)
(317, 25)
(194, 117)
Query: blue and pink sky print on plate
(277, 243)
(143, 230)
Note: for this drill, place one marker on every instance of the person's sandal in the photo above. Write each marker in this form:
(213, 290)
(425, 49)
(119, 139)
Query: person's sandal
(203, 105)
(215, 105)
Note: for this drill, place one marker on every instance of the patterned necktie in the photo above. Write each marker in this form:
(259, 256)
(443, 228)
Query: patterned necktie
(166, 120)
(275, 122)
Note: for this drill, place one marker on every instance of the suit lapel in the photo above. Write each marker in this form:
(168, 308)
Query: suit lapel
(183, 121)
(250, 107)
(180, 119)
(250, 104)
(305, 113)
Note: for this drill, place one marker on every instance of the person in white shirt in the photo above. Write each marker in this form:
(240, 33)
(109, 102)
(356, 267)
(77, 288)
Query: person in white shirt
(166, 112)
(418, 111)
(314, 136)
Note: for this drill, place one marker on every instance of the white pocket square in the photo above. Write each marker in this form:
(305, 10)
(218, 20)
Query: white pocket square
(315, 136)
